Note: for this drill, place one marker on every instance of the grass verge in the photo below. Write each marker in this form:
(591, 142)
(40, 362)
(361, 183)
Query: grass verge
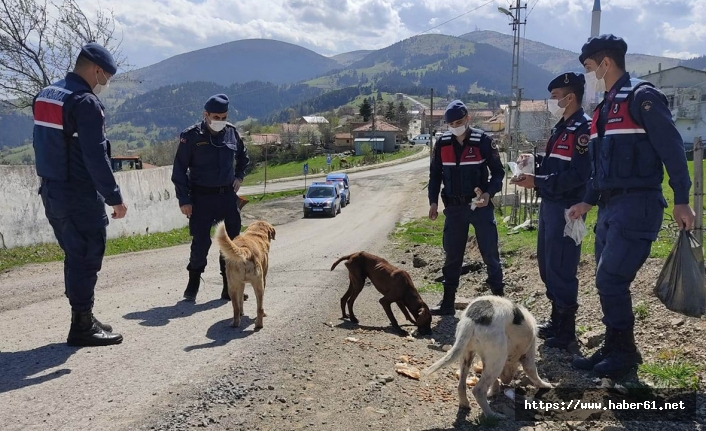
(18, 256)
(425, 231)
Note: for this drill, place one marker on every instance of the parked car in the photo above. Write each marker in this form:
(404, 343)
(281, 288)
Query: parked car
(342, 178)
(422, 139)
(322, 198)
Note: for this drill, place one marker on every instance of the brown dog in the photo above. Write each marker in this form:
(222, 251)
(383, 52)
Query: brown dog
(247, 260)
(395, 285)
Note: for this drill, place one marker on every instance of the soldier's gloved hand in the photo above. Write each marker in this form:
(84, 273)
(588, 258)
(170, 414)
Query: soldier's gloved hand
(684, 216)
(577, 211)
(186, 210)
(433, 212)
(119, 211)
(236, 184)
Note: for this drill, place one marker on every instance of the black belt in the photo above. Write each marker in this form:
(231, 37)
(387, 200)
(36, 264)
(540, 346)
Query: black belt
(202, 190)
(609, 193)
(463, 200)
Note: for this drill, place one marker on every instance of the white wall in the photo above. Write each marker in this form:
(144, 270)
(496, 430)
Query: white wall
(148, 194)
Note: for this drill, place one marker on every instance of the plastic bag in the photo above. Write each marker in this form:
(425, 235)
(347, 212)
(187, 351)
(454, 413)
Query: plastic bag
(527, 166)
(680, 285)
(576, 229)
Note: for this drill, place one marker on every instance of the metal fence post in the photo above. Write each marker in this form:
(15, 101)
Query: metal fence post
(699, 189)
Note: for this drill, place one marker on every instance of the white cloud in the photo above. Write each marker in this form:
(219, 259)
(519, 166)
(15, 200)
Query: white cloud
(156, 29)
(683, 55)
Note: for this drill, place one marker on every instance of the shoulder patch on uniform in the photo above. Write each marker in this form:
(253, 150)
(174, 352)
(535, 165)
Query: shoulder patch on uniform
(493, 145)
(646, 105)
(583, 140)
(182, 140)
(190, 128)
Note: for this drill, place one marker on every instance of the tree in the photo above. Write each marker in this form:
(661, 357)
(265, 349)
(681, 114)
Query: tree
(379, 95)
(402, 116)
(40, 41)
(390, 113)
(366, 111)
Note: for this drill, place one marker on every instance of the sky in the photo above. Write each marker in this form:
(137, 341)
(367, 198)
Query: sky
(153, 30)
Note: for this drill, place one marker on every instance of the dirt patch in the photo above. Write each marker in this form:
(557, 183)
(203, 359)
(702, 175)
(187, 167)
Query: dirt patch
(276, 211)
(329, 374)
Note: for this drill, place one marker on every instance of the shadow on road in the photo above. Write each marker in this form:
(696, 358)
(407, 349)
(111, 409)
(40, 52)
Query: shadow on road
(221, 333)
(17, 368)
(160, 316)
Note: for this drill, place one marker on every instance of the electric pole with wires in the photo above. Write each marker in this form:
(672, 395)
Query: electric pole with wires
(512, 150)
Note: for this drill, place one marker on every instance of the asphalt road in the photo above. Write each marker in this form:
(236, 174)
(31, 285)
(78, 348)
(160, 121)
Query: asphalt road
(170, 345)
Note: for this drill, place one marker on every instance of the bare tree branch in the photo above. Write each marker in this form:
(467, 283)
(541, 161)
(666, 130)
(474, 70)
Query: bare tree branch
(40, 41)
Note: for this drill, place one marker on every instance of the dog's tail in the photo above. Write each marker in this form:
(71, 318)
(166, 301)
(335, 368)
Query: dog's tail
(231, 250)
(335, 264)
(464, 334)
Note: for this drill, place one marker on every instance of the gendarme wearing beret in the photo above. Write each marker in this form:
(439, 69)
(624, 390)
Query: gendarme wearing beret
(100, 56)
(604, 42)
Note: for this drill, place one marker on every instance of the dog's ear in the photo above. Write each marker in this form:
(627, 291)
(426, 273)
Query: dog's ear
(271, 232)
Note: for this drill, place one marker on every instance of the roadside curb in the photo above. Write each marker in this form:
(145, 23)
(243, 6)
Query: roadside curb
(420, 155)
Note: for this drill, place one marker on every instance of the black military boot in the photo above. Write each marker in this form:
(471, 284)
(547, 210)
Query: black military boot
(193, 287)
(224, 292)
(599, 355)
(85, 332)
(622, 358)
(103, 326)
(548, 328)
(565, 331)
(447, 305)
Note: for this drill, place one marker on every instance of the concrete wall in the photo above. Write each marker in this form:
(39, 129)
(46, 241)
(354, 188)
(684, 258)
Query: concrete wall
(148, 194)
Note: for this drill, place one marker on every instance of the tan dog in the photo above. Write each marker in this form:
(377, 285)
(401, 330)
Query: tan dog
(247, 260)
(395, 285)
(503, 334)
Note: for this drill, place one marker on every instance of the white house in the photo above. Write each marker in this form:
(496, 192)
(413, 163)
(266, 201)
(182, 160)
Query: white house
(685, 89)
(535, 120)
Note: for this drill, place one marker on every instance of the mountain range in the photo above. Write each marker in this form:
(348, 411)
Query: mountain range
(268, 76)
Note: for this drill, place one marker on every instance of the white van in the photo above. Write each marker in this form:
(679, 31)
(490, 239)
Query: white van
(422, 139)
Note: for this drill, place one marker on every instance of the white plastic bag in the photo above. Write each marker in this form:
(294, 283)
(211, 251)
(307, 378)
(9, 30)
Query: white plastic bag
(526, 168)
(576, 229)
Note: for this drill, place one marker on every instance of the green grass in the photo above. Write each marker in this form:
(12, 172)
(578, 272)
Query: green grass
(432, 287)
(671, 371)
(19, 256)
(424, 231)
(294, 169)
(40, 253)
(641, 310)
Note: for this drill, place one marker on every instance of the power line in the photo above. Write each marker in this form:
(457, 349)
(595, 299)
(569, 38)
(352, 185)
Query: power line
(455, 18)
(531, 9)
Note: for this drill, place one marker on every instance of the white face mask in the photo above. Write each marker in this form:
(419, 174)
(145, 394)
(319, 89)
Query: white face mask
(216, 126)
(100, 87)
(554, 108)
(594, 84)
(458, 131)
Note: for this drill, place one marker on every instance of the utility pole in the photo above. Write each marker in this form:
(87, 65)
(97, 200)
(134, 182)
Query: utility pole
(431, 125)
(267, 141)
(514, 108)
(699, 190)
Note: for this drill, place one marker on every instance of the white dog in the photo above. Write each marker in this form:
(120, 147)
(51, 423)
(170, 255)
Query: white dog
(503, 335)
